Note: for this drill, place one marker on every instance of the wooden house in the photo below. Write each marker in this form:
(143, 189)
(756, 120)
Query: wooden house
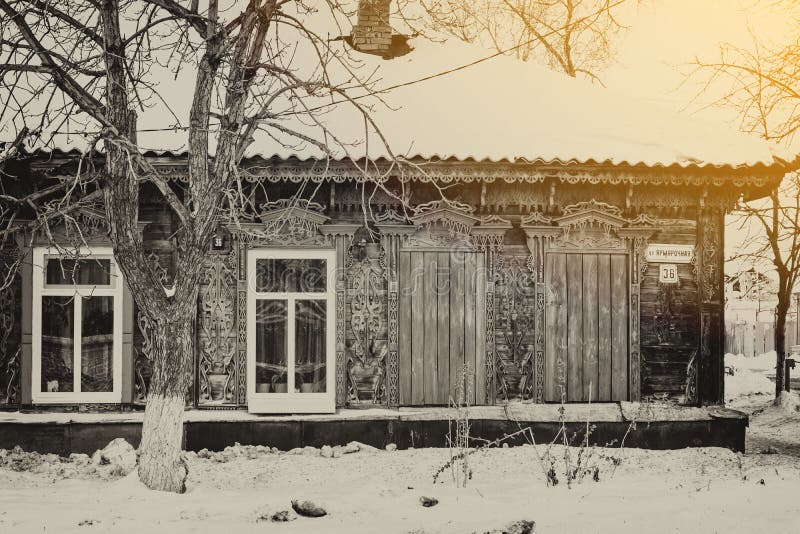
(544, 241)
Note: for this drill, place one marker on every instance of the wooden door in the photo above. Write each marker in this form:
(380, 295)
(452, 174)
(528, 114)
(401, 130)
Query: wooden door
(441, 326)
(586, 334)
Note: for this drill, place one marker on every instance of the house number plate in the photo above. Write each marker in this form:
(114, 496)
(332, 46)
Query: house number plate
(668, 273)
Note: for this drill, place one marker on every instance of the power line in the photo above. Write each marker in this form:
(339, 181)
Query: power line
(503, 52)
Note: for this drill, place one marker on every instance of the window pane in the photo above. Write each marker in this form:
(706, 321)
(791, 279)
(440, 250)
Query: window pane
(310, 345)
(97, 344)
(85, 272)
(291, 275)
(58, 337)
(271, 346)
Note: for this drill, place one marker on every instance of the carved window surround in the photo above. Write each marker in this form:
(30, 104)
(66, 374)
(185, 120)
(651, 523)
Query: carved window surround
(441, 225)
(592, 227)
(314, 232)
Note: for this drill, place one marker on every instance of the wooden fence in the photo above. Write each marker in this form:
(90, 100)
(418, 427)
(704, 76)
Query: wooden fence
(752, 339)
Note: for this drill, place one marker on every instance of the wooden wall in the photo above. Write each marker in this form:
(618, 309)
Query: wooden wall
(441, 327)
(669, 320)
(434, 345)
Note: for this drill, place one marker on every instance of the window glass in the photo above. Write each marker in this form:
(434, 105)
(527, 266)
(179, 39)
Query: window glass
(271, 346)
(97, 344)
(85, 272)
(310, 345)
(58, 343)
(291, 275)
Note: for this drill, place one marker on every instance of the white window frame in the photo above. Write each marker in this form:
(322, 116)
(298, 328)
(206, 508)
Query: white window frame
(41, 289)
(291, 402)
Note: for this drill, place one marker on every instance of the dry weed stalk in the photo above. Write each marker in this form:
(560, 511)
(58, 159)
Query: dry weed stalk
(458, 438)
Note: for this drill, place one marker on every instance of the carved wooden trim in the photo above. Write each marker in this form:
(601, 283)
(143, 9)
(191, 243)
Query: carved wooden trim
(366, 278)
(536, 247)
(491, 353)
(392, 234)
(240, 249)
(515, 301)
(597, 227)
(710, 282)
(393, 364)
(293, 171)
(341, 236)
(217, 338)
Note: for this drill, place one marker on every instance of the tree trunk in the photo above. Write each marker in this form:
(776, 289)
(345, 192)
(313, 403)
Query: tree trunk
(161, 465)
(781, 310)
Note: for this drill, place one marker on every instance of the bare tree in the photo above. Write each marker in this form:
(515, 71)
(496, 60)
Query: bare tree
(763, 86)
(91, 66)
(573, 36)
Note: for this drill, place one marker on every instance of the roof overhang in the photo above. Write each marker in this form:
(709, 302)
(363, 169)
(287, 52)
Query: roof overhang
(753, 181)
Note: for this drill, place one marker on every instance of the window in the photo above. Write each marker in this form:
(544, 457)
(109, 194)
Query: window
(77, 326)
(290, 331)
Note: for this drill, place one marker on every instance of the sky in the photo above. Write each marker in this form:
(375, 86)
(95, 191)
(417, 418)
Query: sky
(664, 37)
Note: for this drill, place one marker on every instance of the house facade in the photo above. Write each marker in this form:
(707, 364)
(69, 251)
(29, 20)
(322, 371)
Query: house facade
(519, 254)
(530, 282)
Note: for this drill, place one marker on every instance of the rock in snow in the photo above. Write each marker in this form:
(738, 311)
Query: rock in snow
(308, 509)
(283, 516)
(517, 527)
(427, 502)
(391, 447)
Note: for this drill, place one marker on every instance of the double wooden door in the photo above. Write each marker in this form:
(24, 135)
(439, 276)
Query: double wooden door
(586, 327)
(441, 318)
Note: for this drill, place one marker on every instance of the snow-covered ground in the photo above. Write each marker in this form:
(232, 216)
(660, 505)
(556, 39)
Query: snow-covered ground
(691, 490)
(750, 377)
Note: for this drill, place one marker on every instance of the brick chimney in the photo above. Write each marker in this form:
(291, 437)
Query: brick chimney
(373, 34)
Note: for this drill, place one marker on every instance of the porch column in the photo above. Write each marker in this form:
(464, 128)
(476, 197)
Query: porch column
(709, 268)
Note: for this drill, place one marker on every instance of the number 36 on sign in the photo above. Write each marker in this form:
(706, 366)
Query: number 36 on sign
(668, 273)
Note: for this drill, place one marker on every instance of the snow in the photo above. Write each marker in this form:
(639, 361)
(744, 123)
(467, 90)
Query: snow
(690, 490)
(750, 376)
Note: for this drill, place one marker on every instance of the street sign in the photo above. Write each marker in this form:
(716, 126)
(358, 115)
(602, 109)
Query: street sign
(659, 253)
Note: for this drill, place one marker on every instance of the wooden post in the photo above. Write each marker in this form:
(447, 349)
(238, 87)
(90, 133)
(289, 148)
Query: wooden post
(709, 270)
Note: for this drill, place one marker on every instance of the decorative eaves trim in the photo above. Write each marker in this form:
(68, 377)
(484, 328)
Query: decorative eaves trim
(173, 168)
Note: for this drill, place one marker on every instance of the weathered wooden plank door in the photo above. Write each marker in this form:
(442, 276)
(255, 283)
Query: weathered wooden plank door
(586, 334)
(440, 325)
